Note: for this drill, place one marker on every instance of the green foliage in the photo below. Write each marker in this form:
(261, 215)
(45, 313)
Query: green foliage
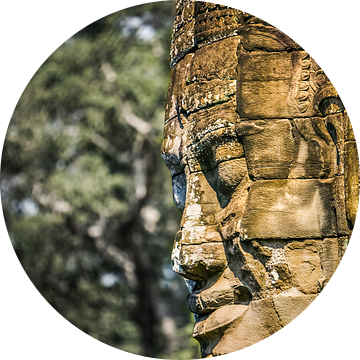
(86, 197)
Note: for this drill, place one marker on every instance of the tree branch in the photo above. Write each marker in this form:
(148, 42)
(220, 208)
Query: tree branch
(123, 107)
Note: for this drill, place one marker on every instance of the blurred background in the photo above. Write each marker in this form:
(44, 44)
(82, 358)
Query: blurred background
(86, 198)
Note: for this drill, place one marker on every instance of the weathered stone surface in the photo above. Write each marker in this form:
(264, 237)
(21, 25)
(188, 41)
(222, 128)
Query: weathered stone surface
(182, 43)
(288, 306)
(216, 61)
(214, 148)
(207, 120)
(268, 146)
(282, 85)
(266, 38)
(314, 149)
(282, 278)
(303, 258)
(179, 76)
(268, 85)
(173, 147)
(220, 294)
(186, 260)
(184, 14)
(264, 169)
(343, 242)
(279, 149)
(351, 180)
(217, 24)
(258, 322)
(349, 132)
(329, 256)
(202, 202)
(201, 95)
(244, 262)
(274, 204)
(339, 128)
(338, 191)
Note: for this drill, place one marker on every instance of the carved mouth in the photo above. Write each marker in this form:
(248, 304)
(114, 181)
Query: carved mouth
(203, 301)
(223, 316)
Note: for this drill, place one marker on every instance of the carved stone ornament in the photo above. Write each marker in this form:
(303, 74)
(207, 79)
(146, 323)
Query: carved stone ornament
(264, 168)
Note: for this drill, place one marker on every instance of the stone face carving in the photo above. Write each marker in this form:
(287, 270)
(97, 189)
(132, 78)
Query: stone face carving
(265, 171)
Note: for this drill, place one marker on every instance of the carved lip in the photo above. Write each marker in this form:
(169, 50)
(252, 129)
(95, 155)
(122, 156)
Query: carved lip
(218, 319)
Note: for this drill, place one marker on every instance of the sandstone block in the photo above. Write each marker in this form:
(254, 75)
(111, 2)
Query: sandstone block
(343, 242)
(266, 38)
(184, 13)
(264, 85)
(274, 85)
(314, 149)
(272, 205)
(253, 325)
(216, 61)
(303, 259)
(214, 25)
(338, 191)
(329, 256)
(179, 74)
(288, 306)
(268, 147)
(351, 180)
(279, 149)
(182, 43)
(349, 132)
(210, 330)
(201, 95)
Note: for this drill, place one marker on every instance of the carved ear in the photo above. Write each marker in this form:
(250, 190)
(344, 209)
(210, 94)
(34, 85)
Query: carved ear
(325, 97)
(246, 127)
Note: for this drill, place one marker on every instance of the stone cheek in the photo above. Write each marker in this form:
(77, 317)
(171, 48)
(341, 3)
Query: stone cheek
(289, 306)
(269, 148)
(294, 149)
(273, 205)
(303, 259)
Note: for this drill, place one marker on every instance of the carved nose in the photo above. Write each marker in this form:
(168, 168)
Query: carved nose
(198, 260)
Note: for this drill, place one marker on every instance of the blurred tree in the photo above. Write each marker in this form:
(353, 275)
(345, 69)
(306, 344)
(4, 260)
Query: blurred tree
(86, 198)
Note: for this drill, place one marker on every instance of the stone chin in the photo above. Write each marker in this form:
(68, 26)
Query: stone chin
(234, 327)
